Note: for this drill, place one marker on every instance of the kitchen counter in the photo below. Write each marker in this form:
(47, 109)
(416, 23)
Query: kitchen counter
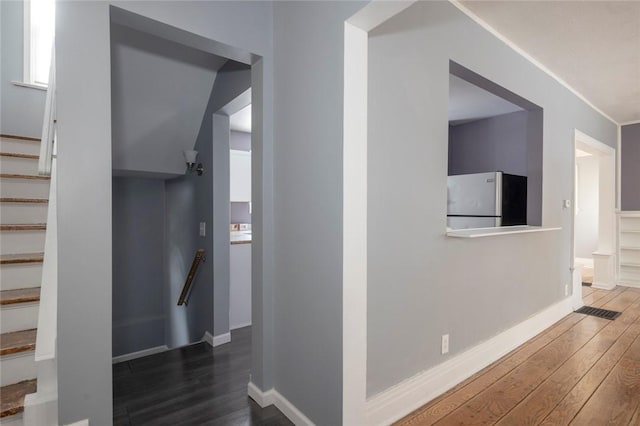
(240, 237)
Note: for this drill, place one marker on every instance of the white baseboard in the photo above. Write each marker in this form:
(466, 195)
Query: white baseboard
(628, 284)
(408, 395)
(273, 397)
(218, 340)
(140, 354)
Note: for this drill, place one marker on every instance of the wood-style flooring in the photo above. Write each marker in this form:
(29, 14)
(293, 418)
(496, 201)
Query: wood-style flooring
(193, 385)
(583, 370)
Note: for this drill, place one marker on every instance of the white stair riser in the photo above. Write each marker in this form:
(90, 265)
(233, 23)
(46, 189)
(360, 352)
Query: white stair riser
(23, 213)
(21, 275)
(16, 242)
(18, 146)
(18, 367)
(21, 316)
(16, 420)
(24, 188)
(23, 166)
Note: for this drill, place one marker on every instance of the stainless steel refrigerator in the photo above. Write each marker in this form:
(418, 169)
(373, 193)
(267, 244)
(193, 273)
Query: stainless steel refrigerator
(483, 200)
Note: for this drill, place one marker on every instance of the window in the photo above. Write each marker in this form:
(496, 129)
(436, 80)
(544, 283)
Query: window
(494, 156)
(39, 25)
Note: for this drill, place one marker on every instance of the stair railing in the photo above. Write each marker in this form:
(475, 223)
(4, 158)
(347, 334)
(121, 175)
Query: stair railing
(48, 126)
(184, 294)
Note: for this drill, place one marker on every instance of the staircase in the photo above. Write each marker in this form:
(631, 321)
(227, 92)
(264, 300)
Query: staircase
(23, 213)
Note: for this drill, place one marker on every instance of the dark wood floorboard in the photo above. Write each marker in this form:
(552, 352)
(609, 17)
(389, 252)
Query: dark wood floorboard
(194, 385)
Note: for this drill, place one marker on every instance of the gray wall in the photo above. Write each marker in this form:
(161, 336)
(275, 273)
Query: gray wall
(489, 145)
(425, 286)
(240, 213)
(138, 264)
(630, 172)
(160, 90)
(586, 221)
(309, 57)
(21, 108)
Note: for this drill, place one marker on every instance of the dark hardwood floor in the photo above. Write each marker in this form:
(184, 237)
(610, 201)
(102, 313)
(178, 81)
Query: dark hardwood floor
(194, 385)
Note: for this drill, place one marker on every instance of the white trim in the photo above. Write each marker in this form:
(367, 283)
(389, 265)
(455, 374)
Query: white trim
(218, 340)
(401, 399)
(528, 57)
(30, 85)
(140, 354)
(628, 284)
(630, 123)
(619, 170)
(492, 232)
(273, 397)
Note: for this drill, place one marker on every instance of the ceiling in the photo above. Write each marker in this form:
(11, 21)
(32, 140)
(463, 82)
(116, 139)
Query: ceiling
(468, 102)
(594, 46)
(241, 120)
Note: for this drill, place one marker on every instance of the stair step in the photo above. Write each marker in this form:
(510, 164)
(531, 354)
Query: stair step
(24, 227)
(9, 259)
(17, 341)
(23, 186)
(9, 143)
(20, 275)
(23, 210)
(20, 295)
(22, 200)
(22, 241)
(18, 163)
(13, 397)
(17, 317)
(21, 176)
(22, 138)
(19, 155)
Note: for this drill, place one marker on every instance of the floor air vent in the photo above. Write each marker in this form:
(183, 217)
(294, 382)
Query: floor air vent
(597, 312)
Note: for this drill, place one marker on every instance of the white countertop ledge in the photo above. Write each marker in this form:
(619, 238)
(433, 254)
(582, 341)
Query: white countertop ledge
(493, 232)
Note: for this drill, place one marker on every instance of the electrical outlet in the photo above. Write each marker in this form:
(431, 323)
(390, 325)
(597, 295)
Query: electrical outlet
(566, 289)
(445, 344)
(203, 229)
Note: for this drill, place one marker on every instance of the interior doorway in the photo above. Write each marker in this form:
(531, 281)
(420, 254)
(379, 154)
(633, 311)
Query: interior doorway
(593, 253)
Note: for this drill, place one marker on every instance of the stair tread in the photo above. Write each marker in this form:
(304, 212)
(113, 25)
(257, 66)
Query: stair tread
(20, 295)
(13, 396)
(17, 341)
(23, 227)
(22, 138)
(22, 176)
(24, 200)
(6, 259)
(17, 155)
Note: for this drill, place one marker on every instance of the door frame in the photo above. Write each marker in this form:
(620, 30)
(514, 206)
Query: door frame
(604, 257)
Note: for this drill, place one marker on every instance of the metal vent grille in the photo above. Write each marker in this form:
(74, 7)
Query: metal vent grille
(597, 312)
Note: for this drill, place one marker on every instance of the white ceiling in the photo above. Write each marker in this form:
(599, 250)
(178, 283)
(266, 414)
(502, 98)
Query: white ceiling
(241, 120)
(594, 46)
(468, 102)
